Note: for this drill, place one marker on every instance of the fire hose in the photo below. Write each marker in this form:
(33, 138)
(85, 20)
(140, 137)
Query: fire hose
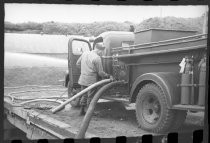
(19, 92)
(89, 113)
(11, 95)
(80, 94)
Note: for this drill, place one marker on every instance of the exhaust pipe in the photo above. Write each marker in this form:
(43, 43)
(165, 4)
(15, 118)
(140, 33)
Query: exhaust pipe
(89, 113)
(80, 94)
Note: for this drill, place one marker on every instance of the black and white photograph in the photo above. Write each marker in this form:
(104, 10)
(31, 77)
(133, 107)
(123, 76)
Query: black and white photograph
(82, 71)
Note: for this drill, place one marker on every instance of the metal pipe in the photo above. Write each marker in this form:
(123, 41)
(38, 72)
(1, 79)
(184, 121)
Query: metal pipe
(89, 113)
(81, 93)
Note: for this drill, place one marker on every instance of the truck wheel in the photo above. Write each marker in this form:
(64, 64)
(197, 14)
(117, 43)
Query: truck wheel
(179, 119)
(152, 112)
(71, 92)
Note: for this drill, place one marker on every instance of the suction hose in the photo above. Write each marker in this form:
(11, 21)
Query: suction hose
(80, 94)
(89, 113)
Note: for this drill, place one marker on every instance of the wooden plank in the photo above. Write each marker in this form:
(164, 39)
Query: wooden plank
(31, 131)
(189, 107)
(48, 119)
(48, 127)
(46, 123)
(54, 125)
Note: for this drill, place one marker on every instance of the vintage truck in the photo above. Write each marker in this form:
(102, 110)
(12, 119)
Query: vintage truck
(161, 72)
(164, 73)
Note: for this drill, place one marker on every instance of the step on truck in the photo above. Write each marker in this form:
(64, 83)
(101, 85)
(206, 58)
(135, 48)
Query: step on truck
(164, 72)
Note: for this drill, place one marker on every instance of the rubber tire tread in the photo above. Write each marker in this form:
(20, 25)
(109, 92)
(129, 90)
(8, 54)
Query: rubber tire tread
(166, 122)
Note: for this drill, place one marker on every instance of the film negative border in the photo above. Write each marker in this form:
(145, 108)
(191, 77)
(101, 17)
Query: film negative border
(196, 137)
(115, 2)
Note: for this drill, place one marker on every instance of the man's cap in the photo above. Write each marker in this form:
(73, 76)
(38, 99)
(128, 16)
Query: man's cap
(100, 46)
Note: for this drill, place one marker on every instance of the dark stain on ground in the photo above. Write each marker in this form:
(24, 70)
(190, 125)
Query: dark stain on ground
(114, 110)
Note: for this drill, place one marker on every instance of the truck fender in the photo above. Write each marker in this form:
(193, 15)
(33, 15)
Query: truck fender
(167, 81)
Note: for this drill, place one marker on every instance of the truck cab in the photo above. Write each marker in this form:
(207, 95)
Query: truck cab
(110, 39)
(78, 45)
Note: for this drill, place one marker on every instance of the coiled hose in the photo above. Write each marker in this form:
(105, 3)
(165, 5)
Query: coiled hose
(11, 95)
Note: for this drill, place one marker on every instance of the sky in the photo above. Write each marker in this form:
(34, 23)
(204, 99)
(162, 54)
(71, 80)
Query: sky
(19, 13)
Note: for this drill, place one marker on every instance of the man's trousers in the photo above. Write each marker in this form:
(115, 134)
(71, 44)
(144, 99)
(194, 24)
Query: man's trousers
(87, 97)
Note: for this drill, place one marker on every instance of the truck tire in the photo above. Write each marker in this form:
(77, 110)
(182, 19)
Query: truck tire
(71, 92)
(152, 112)
(179, 119)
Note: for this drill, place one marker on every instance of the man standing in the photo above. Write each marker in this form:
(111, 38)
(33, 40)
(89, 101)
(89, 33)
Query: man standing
(91, 67)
